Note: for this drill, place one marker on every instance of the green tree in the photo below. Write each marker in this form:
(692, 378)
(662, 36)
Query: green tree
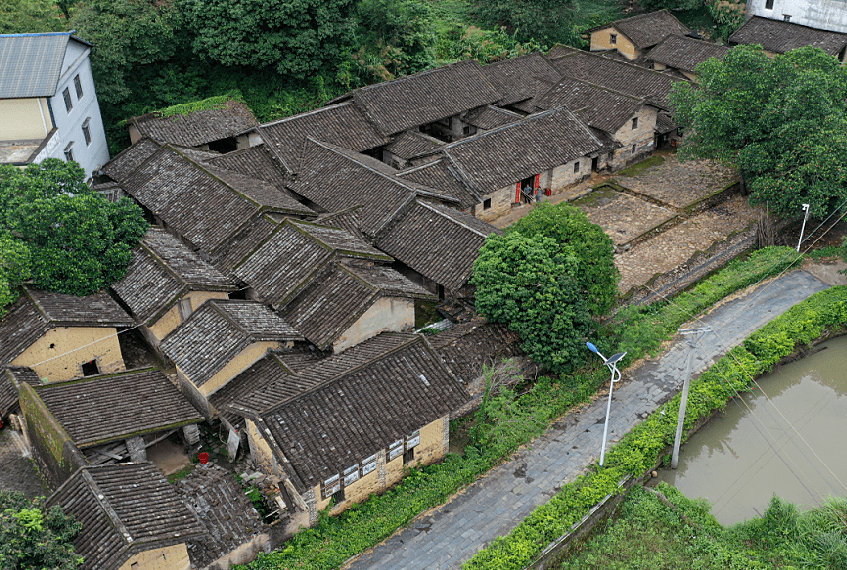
(29, 16)
(78, 241)
(127, 36)
(671, 4)
(531, 285)
(296, 38)
(14, 268)
(781, 121)
(596, 274)
(34, 538)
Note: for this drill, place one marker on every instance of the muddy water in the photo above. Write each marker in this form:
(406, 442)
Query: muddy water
(749, 452)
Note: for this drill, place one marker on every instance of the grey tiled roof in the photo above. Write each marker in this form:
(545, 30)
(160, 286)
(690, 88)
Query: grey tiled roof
(162, 270)
(647, 30)
(468, 347)
(781, 37)
(618, 76)
(597, 107)
(21, 326)
(440, 174)
(283, 263)
(438, 242)
(224, 511)
(127, 161)
(11, 377)
(664, 122)
(111, 407)
(239, 246)
(218, 331)
(412, 144)
(344, 125)
(504, 156)
(256, 162)
(30, 64)
(337, 179)
(203, 205)
(341, 293)
(685, 53)
(197, 128)
(560, 50)
(515, 79)
(400, 104)
(124, 510)
(491, 117)
(347, 220)
(391, 386)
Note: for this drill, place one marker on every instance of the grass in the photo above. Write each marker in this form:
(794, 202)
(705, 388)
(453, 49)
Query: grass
(699, 20)
(181, 474)
(828, 252)
(640, 167)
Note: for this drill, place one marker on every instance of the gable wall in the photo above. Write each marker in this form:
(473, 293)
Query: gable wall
(71, 348)
(642, 137)
(600, 40)
(387, 314)
(244, 360)
(25, 119)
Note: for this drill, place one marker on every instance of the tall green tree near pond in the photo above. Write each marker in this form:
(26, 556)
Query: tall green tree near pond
(77, 241)
(781, 121)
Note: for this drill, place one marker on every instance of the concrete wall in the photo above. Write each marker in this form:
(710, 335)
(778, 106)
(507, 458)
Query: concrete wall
(387, 314)
(168, 558)
(69, 124)
(563, 176)
(260, 450)
(643, 137)
(244, 360)
(501, 204)
(61, 352)
(601, 40)
(24, 119)
(821, 14)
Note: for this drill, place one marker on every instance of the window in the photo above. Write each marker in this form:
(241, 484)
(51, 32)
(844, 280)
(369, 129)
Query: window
(69, 152)
(90, 368)
(635, 123)
(613, 38)
(486, 204)
(338, 496)
(86, 131)
(409, 456)
(769, 5)
(576, 167)
(786, 17)
(67, 96)
(466, 130)
(184, 308)
(78, 86)
(633, 150)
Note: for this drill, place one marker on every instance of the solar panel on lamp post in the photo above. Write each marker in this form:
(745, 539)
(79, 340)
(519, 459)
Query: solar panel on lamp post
(612, 364)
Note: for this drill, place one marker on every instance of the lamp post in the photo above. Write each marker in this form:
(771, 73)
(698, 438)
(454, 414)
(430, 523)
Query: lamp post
(807, 209)
(612, 363)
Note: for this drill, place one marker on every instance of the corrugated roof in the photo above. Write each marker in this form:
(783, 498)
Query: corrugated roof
(30, 64)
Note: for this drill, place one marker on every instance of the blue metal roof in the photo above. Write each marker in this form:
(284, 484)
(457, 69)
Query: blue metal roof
(30, 64)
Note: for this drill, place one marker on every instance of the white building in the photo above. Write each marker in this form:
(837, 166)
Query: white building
(48, 107)
(821, 14)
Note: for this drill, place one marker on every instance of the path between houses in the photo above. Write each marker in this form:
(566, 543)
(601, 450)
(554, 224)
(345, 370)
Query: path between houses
(496, 503)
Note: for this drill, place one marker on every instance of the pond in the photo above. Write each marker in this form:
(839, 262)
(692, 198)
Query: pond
(750, 451)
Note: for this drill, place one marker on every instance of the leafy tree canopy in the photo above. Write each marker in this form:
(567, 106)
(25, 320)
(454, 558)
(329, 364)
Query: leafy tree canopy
(29, 16)
(596, 274)
(530, 284)
(296, 38)
(33, 538)
(74, 240)
(781, 121)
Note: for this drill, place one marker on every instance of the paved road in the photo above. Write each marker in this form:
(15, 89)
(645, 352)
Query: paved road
(495, 504)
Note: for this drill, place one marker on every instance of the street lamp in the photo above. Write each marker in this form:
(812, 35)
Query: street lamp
(807, 209)
(612, 363)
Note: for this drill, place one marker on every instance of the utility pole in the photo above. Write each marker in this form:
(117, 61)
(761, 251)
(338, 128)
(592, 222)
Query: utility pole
(692, 345)
(808, 210)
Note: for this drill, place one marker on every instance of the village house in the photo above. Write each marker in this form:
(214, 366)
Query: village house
(132, 519)
(819, 14)
(518, 80)
(220, 340)
(370, 440)
(632, 36)
(547, 150)
(778, 37)
(165, 282)
(48, 103)
(11, 378)
(330, 285)
(628, 122)
(683, 54)
(62, 336)
(204, 205)
(106, 418)
(409, 148)
(218, 129)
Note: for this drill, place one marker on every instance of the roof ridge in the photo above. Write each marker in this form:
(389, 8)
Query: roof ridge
(104, 503)
(467, 227)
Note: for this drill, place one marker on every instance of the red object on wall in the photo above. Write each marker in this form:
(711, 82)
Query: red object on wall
(548, 192)
(517, 193)
(537, 179)
(204, 458)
